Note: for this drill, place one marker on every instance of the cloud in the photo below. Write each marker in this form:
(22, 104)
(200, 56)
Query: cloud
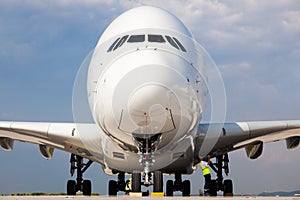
(290, 21)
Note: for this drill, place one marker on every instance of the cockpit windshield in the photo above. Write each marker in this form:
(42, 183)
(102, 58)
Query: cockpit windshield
(174, 42)
(171, 41)
(121, 42)
(113, 44)
(136, 38)
(179, 44)
(156, 38)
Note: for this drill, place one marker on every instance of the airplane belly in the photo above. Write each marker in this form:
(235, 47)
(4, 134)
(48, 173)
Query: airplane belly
(116, 159)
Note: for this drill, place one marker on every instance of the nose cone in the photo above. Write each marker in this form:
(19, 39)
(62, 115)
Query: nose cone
(147, 96)
(142, 99)
(148, 105)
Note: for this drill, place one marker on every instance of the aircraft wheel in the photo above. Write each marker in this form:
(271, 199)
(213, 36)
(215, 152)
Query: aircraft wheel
(186, 188)
(112, 188)
(71, 187)
(136, 182)
(169, 188)
(213, 188)
(158, 181)
(87, 188)
(228, 187)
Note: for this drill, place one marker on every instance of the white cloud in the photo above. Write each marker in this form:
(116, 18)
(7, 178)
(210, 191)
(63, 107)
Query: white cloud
(290, 21)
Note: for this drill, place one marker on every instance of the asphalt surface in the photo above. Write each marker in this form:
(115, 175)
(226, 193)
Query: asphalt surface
(133, 198)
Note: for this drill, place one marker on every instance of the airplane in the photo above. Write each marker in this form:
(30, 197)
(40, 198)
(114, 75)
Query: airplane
(148, 84)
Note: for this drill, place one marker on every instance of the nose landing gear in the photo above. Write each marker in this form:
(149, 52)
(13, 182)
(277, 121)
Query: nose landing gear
(146, 146)
(115, 186)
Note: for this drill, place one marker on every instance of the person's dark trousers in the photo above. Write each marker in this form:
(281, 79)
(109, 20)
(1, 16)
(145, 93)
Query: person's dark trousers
(207, 184)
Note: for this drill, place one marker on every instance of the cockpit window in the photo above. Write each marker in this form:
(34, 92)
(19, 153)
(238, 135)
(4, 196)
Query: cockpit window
(121, 42)
(156, 38)
(136, 38)
(113, 44)
(171, 41)
(174, 42)
(179, 44)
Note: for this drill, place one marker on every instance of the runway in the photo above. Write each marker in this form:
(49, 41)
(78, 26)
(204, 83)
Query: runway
(134, 198)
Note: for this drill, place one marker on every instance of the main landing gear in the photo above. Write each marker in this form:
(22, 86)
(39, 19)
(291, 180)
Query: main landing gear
(219, 185)
(115, 186)
(178, 185)
(79, 185)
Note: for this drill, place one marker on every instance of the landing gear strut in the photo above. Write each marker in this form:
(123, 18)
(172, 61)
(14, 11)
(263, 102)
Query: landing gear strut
(147, 145)
(178, 185)
(226, 186)
(79, 185)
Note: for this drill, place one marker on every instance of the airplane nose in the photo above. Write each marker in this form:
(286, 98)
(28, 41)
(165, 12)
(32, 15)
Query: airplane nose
(148, 105)
(145, 100)
(146, 96)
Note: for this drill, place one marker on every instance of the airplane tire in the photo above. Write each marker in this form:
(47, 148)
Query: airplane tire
(169, 188)
(136, 182)
(186, 186)
(228, 188)
(87, 188)
(213, 188)
(71, 184)
(158, 181)
(112, 188)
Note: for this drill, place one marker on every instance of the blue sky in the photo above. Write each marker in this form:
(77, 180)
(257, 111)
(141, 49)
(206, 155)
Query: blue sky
(256, 45)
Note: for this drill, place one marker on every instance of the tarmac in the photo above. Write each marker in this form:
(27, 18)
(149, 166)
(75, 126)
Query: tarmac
(135, 198)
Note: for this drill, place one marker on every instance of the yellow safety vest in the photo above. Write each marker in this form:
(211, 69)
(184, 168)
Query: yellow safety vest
(128, 185)
(205, 169)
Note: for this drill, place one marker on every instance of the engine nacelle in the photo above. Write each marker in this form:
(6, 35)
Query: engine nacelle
(46, 151)
(254, 150)
(292, 142)
(7, 143)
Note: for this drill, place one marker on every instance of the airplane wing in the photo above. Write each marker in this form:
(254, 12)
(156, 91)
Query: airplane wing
(49, 136)
(248, 135)
(233, 136)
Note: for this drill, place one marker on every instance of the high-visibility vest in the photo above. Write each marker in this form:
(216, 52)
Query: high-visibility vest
(128, 185)
(205, 169)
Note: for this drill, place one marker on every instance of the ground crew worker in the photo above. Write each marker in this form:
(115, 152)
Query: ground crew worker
(204, 164)
(128, 186)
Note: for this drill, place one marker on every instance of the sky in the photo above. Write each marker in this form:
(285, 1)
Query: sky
(255, 44)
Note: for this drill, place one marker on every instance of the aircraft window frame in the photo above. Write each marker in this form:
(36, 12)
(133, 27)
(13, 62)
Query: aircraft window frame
(179, 44)
(156, 38)
(121, 42)
(112, 46)
(136, 38)
(171, 42)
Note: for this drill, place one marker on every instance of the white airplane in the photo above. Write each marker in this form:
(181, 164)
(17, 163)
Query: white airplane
(148, 83)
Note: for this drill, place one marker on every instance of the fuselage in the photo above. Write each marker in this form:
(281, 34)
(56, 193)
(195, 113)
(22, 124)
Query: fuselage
(146, 88)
